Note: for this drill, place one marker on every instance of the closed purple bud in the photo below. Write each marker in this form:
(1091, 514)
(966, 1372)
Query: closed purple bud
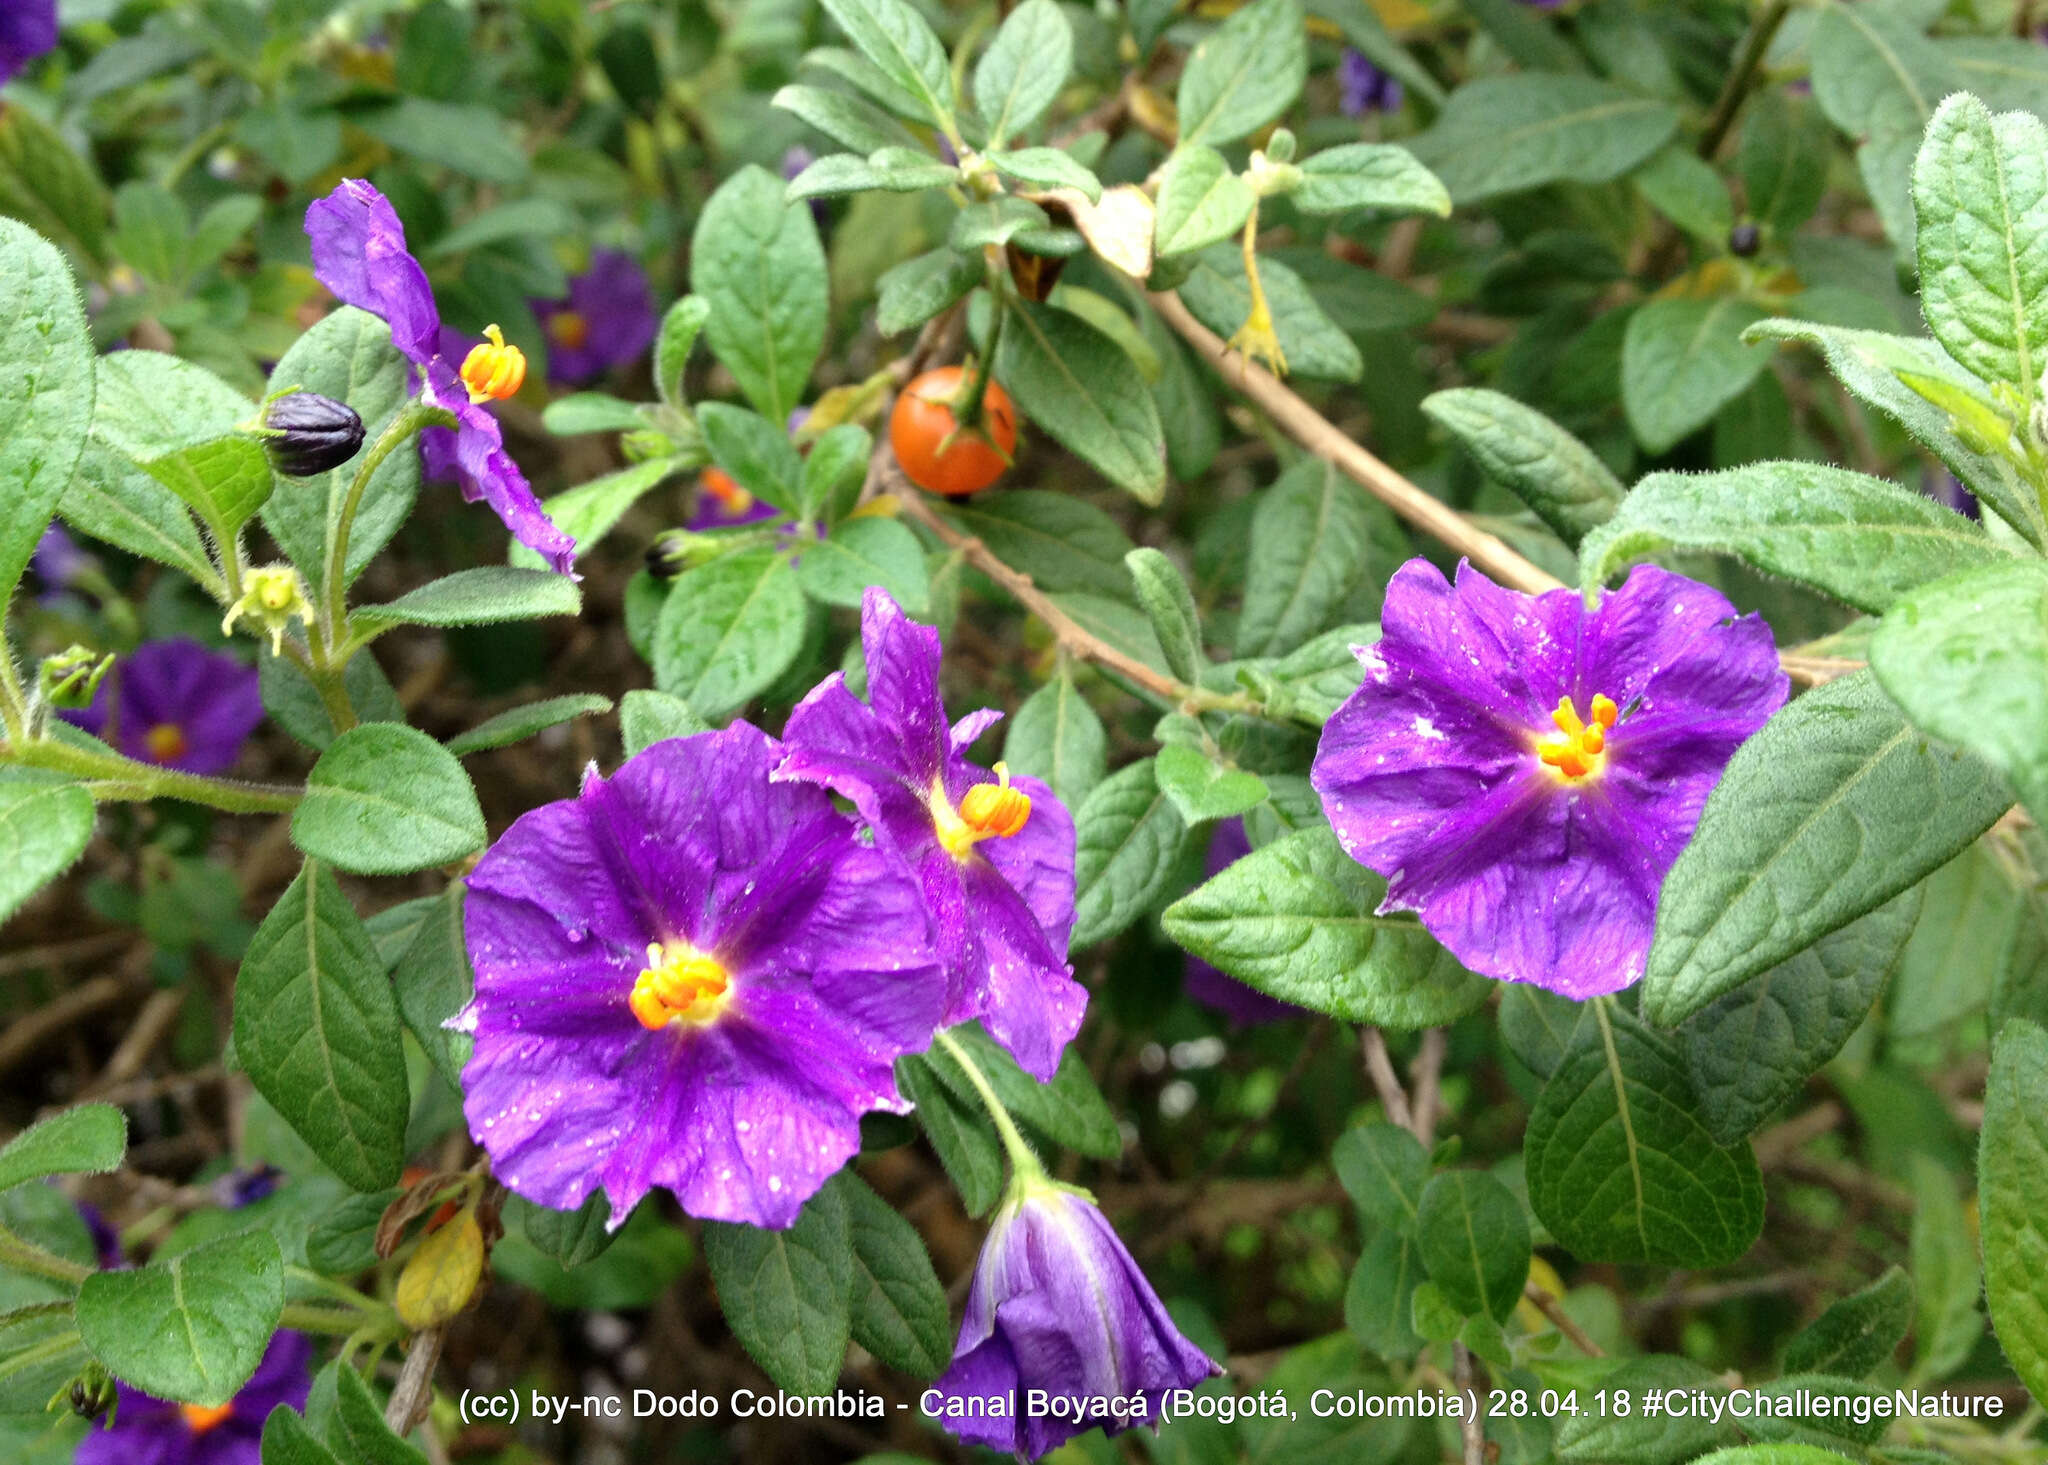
(310, 434)
(1744, 239)
(1059, 1307)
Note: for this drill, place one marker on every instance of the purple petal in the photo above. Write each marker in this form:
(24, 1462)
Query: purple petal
(359, 253)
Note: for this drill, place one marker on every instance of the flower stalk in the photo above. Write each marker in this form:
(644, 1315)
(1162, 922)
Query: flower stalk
(1025, 1167)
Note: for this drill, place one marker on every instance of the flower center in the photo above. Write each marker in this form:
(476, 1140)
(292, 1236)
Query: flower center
(569, 329)
(165, 742)
(680, 983)
(493, 371)
(1577, 749)
(987, 811)
(721, 486)
(202, 1417)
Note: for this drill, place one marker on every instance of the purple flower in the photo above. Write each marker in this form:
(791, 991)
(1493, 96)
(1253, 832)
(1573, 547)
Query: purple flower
(238, 1188)
(176, 704)
(149, 1431)
(1524, 771)
(692, 977)
(359, 253)
(607, 320)
(1364, 87)
(28, 29)
(994, 854)
(106, 1241)
(1244, 1006)
(1058, 1305)
(1947, 490)
(58, 560)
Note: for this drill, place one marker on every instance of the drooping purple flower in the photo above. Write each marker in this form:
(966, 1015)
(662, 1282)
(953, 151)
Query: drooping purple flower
(607, 321)
(1244, 1006)
(359, 253)
(151, 1431)
(176, 704)
(689, 976)
(1363, 87)
(994, 855)
(1524, 771)
(28, 29)
(1058, 1305)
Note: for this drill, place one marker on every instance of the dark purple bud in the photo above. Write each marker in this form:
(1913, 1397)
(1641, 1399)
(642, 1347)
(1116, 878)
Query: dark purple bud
(1743, 239)
(310, 434)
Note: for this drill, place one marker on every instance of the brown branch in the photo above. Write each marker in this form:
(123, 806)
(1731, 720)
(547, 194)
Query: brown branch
(1553, 1309)
(1469, 1428)
(31, 1030)
(414, 1390)
(1426, 1073)
(1380, 1068)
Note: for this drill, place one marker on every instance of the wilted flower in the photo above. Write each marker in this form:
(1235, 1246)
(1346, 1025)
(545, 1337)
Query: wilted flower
(359, 253)
(1363, 87)
(273, 596)
(176, 704)
(151, 1431)
(690, 977)
(994, 854)
(607, 321)
(28, 29)
(1058, 1305)
(1524, 771)
(1244, 1006)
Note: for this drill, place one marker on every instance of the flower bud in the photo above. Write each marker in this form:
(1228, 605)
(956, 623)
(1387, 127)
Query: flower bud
(1744, 239)
(306, 433)
(272, 597)
(645, 443)
(71, 679)
(92, 1392)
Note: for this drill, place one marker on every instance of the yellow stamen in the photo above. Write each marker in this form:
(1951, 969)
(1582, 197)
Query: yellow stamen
(202, 1417)
(569, 329)
(1577, 750)
(165, 742)
(493, 371)
(987, 811)
(680, 984)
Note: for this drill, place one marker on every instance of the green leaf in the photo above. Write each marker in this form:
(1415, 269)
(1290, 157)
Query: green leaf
(386, 799)
(728, 630)
(1079, 386)
(343, 1241)
(482, 597)
(890, 170)
(997, 221)
(226, 480)
(681, 324)
(959, 1134)
(89, 1139)
(1165, 597)
(289, 1440)
(1312, 539)
(348, 356)
(294, 704)
(192, 1328)
(517, 724)
(896, 39)
(1980, 193)
(649, 717)
(1783, 159)
(918, 289)
(43, 829)
(1379, 1302)
(1537, 1026)
(1048, 168)
(1201, 201)
(863, 552)
(1856, 1333)
(1202, 790)
(1831, 809)
(1620, 1167)
(1793, 1454)
(1751, 1050)
(521, 218)
(316, 1027)
(1368, 175)
(788, 1295)
(472, 140)
(852, 122)
(1475, 1242)
(1685, 189)
(1860, 539)
(1551, 471)
(433, 982)
(1595, 1436)
(1061, 541)
(1878, 80)
(1383, 1168)
(1967, 658)
(756, 260)
(112, 499)
(1069, 1110)
(1506, 134)
(1127, 839)
(45, 183)
(568, 1238)
(1023, 69)
(1057, 738)
(46, 392)
(582, 412)
(899, 1309)
(756, 452)
(1298, 920)
(834, 471)
(1243, 74)
(361, 1419)
(1944, 1256)
(2012, 1169)
(1682, 361)
(1876, 366)
(40, 1353)
(588, 512)
(1315, 346)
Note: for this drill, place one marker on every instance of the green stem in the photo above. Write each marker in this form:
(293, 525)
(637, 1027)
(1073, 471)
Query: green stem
(332, 1322)
(1024, 1164)
(410, 419)
(13, 705)
(112, 777)
(1741, 71)
(967, 405)
(340, 1291)
(25, 1256)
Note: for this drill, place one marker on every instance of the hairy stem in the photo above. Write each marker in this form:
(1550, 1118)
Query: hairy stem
(1023, 1159)
(111, 777)
(1741, 72)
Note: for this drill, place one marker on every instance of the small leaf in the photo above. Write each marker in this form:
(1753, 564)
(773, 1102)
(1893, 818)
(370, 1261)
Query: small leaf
(89, 1139)
(1383, 1168)
(1023, 69)
(1518, 447)
(433, 982)
(1069, 1110)
(959, 1134)
(1312, 541)
(1475, 1242)
(788, 1295)
(680, 327)
(289, 1440)
(1682, 361)
(46, 392)
(1315, 346)
(482, 597)
(896, 39)
(192, 1328)
(1057, 738)
(1368, 175)
(225, 480)
(361, 1418)
(1127, 839)
(1945, 1275)
(1079, 386)
(756, 452)
(520, 723)
(441, 1276)
(918, 289)
(1201, 200)
(2012, 1167)
(1165, 597)
(1244, 74)
(1506, 134)
(850, 121)
(43, 829)
(1379, 1302)
(386, 799)
(1203, 790)
(649, 717)
(899, 1308)
(862, 552)
(1048, 168)
(728, 630)
(756, 260)
(1857, 1333)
